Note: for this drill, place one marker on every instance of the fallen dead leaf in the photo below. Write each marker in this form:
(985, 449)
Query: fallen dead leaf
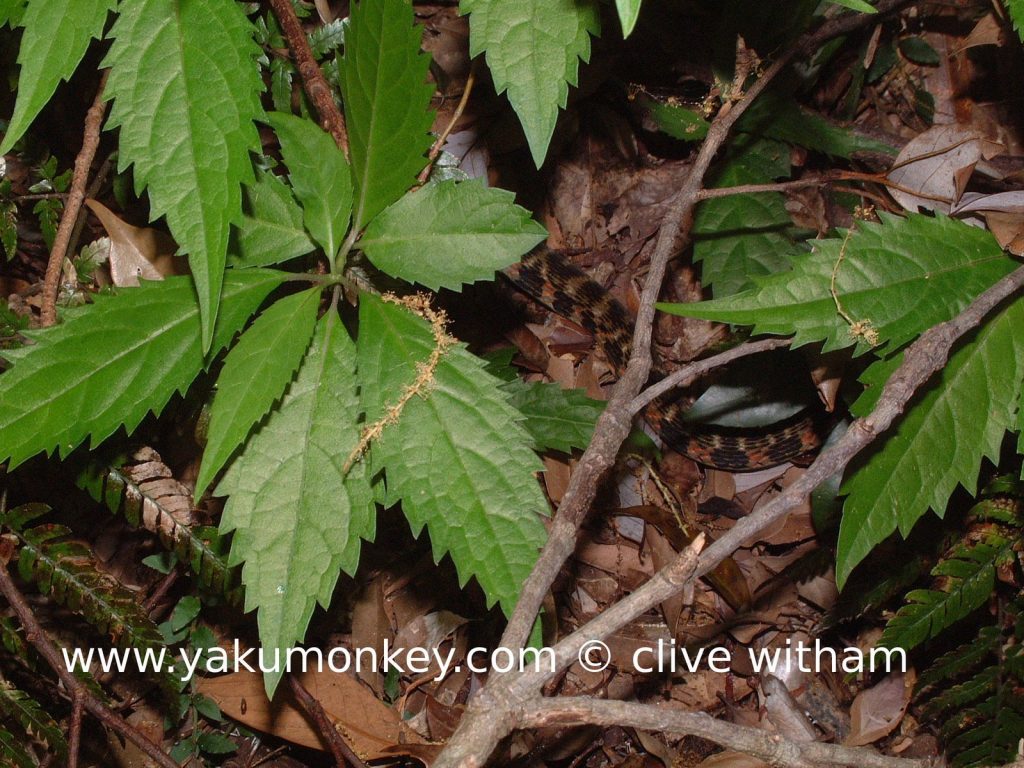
(372, 728)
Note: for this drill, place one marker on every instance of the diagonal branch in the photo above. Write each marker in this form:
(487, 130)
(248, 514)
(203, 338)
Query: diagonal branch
(81, 696)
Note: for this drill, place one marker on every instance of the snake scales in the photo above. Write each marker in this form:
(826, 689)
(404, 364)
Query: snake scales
(569, 292)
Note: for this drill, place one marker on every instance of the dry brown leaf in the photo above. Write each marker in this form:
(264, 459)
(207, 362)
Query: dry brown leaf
(933, 168)
(136, 253)
(877, 711)
(370, 727)
(371, 628)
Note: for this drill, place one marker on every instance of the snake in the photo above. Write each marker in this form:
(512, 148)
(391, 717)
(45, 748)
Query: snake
(566, 290)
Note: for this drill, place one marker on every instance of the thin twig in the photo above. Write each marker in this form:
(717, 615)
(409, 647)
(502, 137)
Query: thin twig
(75, 730)
(313, 80)
(772, 748)
(76, 196)
(35, 634)
(690, 372)
(438, 145)
(342, 752)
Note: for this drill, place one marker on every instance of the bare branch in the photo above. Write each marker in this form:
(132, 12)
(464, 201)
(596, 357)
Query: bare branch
(770, 747)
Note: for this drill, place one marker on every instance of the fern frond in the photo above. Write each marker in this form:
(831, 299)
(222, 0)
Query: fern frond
(145, 491)
(31, 717)
(965, 581)
(977, 691)
(65, 570)
(12, 753)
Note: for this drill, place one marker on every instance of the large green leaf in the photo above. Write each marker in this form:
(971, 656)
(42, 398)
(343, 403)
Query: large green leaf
(629, 12)
(898, 278)
(11, 12)
(1016, 10)
(320, 176)
(298, 519)
(458, 456)
(384, 79)
(255, 373)
(533, 51)
(271, 229)
(450, 233)
(938, 443)
(57, 32)
(186, 90)
(740, 237)
(110, 364)
(557, 419)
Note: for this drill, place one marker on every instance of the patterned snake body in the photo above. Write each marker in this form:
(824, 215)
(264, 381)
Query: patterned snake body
(569, 292)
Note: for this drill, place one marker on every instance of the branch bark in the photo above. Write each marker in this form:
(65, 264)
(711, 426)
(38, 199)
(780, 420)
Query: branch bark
(316, 87)
(36, 635)
(73, 206)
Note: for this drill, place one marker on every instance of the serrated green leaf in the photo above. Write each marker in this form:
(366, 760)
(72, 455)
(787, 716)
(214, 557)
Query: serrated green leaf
(186, 90)
(740, 237)
(557, 419)
(320, 176)
(458, 457)
(1016, 11)
(256, 372)
(110, 364)
(271, 230)
(449, 233)
(297, 518)
(629, 12)
(11, 12)
(13, 751)
(32, 718)
(902, 276)
(57, 33)
(939, 442)
(533, 51)
(387, 100)
(970, 575)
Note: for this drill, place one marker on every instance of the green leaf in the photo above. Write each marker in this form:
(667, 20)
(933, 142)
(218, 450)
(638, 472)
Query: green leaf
(32, 718)
(783, 119)
(856, 5)
(533, 51)
(11, 12)
(450, 233)
(298, 519)
(557, 419)
(186, 90)
(902, 276)
(967, 581)
(939, 442)
(740, 237)
(57, 33)
(110, 364)
(458, 456)
(387, 100)
(919, 51)
(271, 230)
(629, 12)
(12, 750)
(320, 177)
(256, 372)
(1016, 11)
(681, 123)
